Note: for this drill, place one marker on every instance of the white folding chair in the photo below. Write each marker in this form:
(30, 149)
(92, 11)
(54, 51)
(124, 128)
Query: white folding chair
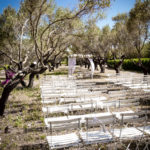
(103, 135)
(64, 140)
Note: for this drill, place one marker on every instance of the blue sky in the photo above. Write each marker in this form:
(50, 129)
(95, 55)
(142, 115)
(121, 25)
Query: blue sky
(118, 6)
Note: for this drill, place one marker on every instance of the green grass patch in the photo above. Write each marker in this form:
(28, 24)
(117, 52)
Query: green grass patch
(57, 73)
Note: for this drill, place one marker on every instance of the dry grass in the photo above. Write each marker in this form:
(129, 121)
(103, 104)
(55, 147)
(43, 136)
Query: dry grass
(23, 123)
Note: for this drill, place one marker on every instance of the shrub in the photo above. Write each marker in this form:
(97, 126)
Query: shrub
(129, 64)
(111, 63)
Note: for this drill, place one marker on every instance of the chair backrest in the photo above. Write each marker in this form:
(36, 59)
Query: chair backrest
(81, 106)
(100, 121)
(64, 124)
(135, 117)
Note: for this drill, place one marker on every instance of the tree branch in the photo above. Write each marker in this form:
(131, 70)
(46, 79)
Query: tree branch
(22, 32)
(3, 53)
(62, 19)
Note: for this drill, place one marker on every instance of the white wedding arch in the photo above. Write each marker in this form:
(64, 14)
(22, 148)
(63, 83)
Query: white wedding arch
(72, 63)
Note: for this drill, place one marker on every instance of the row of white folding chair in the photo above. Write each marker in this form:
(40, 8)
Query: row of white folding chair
(91, 105)
(94, 97)
(78, 94)
(121, 103)
(117, 92)
(123, 80)
(127, 133)
(57, 81)
(51, 80)
(65, 84)
(104, 135)
(89, 97)
(51, 88)
(117, 95)
(124, 93)
(78, 99)
(93, 102)
(64, 90)
(73, 124)
(134, 82)
(60, 91)
(129, 78)
(137, 93)
(72, 107)
(57, 95)
(122, 116)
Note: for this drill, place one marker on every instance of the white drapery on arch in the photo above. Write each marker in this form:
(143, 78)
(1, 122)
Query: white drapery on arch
(72, 63)
(92, 67)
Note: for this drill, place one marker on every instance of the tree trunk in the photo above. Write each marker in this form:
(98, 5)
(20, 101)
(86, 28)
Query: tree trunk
(33, 74)
(143, 68)
(31, 80)
(49, 68)
(81, 63)
(37, 76)
(117, 66)
(57, 65)
(102, 67)
(146, 70)
(96, 66)
(89, 66)
(23, 83)
(5, 94)
(117, 69)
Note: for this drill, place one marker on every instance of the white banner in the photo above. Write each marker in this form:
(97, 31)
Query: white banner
(71, 65)
(92, 66)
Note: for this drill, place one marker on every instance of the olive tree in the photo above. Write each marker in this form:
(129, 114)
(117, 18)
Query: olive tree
(30, 31)
(138, 26)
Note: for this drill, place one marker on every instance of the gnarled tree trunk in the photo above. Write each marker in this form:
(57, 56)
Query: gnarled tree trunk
(102, 65)
(117, 69)
(33, 74)
(23, 83)
(96, 64)
(5, 94)
(31, 80)
(146, 70)
(117, 66)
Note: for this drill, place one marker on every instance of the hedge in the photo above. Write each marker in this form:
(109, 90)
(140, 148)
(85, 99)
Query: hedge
(128, 64)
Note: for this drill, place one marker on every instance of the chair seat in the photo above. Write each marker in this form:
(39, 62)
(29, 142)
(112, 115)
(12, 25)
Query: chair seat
(146, 129)
(127, 133)
(96, 137)
(62, 141)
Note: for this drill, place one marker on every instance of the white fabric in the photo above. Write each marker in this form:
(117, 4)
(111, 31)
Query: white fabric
(92, 66)
(71, 65)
